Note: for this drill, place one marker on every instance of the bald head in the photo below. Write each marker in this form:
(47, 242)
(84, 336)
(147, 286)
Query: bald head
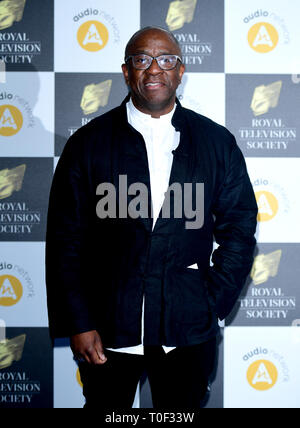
(151, 30)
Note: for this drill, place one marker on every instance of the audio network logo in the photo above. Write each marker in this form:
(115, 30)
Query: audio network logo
(98, 28)
(13, 280)
(266, 369)
(262, 375)
(271, 199)
(267, 205)
(15, 114)
(263, 37)
(78, 378)
(11, 290)
(92, 36)
(267, 30)
(11, 120)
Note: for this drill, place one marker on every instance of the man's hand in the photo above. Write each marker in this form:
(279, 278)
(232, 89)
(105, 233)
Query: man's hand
(88, 346)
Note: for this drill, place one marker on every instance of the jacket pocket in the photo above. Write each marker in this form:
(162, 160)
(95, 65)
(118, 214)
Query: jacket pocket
(191, 305)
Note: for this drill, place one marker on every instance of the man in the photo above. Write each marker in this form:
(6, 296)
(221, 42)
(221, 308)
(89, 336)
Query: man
(125, 288)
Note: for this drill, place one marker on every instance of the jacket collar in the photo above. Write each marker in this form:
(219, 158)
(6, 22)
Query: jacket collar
(179, 121)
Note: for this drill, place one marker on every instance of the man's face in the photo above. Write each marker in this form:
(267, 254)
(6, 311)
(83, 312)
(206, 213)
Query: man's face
(153, 90)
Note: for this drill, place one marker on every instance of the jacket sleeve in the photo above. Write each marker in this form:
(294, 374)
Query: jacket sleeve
(235, 211)
(66, 243)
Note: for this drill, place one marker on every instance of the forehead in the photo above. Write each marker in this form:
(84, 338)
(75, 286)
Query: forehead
(154, 40)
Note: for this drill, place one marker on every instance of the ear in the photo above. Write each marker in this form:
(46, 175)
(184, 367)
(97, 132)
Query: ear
(181, 70)
(125, 73)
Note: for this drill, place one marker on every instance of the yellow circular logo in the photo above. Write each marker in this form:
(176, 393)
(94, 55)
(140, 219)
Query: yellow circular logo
(267, 205)
(78, 378)
(11, 120)
(92, 36)
(263, 37)
(11, 290)
(262, 375)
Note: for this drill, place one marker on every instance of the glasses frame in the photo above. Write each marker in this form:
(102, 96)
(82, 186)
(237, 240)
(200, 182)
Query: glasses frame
(156, 58)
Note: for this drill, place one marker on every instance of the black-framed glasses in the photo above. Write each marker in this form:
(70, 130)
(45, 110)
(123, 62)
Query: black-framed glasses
(143, 61)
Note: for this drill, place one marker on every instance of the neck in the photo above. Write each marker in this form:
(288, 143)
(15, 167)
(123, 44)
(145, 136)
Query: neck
(154, 111)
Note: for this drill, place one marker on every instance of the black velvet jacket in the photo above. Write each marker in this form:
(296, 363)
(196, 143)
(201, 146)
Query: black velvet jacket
(97, 270)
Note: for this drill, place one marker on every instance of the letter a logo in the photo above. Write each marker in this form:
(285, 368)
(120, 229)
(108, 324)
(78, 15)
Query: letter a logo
(11, 290)
(92, 36)
(11, 120)
(267, 205)
(262, 375)
(263, 37)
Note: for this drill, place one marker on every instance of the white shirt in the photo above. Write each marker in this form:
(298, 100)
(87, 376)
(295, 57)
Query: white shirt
(160, 138)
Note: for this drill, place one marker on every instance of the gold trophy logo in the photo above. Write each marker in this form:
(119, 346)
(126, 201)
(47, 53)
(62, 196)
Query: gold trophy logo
(265, 97)
(264, 266)
(11, 350)
(11, 180)
(179, 13)
(11, 11)
(95, 96)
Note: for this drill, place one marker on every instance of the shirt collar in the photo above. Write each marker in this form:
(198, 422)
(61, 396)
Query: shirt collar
(146, 118)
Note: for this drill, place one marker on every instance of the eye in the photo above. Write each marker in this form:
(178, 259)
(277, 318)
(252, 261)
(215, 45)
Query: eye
(167, 60)
(141, 59)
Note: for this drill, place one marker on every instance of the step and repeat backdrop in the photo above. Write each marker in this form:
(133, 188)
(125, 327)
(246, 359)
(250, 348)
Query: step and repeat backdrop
(60, 68)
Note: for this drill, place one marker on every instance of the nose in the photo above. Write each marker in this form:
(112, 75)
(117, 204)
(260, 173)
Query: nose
(154, 68)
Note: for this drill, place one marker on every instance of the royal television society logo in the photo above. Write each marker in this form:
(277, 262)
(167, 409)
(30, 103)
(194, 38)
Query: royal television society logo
(179, 13)
(11, 350)
(95, 96)
(266, 30)
(265, 266)
(265, 97)
(11, 180)
(16, 47)
(96, 28)
(265, 300)
(271, 132)
(194, 50)
(11, 11)
(266, 369)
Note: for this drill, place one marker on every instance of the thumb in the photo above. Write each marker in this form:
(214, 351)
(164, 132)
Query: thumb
(99, 348)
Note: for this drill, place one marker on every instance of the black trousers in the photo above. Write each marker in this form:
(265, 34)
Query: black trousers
(178, 379)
